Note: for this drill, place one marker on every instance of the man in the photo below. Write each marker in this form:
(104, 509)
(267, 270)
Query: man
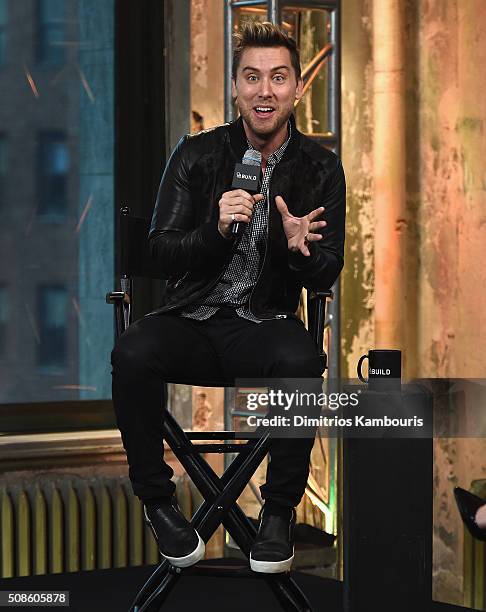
(230, 301)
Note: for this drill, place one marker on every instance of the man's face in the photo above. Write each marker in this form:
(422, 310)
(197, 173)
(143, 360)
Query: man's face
(266, 89)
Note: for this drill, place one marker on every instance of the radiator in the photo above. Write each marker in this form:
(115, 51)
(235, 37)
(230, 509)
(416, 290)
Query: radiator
(67, 524)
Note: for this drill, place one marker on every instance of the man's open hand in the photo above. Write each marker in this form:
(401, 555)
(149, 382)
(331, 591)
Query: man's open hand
(236, 205)
(300, 230)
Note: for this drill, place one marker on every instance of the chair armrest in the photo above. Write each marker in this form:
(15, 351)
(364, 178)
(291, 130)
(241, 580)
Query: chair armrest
(121, 302)
(114, 297)
(320, 294)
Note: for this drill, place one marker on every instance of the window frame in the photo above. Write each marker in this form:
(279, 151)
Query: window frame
(139, 158)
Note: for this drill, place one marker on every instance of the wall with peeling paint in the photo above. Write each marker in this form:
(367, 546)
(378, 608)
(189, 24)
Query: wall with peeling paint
(451, 280)
(357, 133)
(445, 286)
(452, 277)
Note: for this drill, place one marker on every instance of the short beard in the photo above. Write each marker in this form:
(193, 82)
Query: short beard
(263, 135)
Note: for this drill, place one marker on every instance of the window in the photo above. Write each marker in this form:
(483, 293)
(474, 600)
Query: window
(53, 174)
(3, 30)
(50, 31)
(3, 167)
(57, 240)
(52, 321)
(3, 319)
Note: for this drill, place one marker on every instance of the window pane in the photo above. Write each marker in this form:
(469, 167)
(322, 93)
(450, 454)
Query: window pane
(52, 323)
(51, 30)
(51, 11)
(53, 173)
(3, 12)
(3, 167)
(3, 319)
(3, 155)
(3, 34)
(56, 235)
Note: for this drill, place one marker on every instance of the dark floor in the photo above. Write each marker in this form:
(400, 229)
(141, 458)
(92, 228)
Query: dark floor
(113, 591)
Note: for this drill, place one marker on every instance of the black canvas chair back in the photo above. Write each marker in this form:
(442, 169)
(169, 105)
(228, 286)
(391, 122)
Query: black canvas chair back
(219, 493)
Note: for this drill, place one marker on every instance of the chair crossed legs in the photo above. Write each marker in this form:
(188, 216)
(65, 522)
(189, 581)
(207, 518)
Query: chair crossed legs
(219, 493)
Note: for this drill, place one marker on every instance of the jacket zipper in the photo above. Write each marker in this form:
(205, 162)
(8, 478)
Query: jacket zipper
(279, 316)
(180, 280)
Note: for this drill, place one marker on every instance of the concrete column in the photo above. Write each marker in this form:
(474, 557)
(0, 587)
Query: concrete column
(178, 70)
(389, 171)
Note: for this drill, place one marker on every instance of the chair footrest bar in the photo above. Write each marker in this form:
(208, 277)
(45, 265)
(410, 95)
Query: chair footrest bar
(215, 448)
(227, 572)
(219, 435)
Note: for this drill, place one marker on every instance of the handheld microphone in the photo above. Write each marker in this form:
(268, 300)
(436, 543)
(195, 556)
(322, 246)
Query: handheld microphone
(247, 176)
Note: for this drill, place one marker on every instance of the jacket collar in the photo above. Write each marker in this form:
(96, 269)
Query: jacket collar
(239, 142)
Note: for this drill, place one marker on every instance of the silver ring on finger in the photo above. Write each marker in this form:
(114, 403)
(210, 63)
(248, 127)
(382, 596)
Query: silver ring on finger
(305, 239)
(232, 216)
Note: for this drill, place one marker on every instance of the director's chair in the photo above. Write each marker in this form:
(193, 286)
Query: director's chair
(219, 493)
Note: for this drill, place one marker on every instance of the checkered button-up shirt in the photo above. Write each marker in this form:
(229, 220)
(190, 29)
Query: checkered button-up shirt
(236, 284)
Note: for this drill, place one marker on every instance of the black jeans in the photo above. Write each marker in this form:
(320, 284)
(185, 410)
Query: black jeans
(172, 348)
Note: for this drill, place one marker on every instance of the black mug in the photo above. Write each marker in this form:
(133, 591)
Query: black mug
(384, 370)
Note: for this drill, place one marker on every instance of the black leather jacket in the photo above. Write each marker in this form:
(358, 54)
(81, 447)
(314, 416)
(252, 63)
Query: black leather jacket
(184, 237)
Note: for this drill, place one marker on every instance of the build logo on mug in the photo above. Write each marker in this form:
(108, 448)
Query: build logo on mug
(384, 370)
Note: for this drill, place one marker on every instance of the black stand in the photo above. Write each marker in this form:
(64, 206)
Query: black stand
(388, 485)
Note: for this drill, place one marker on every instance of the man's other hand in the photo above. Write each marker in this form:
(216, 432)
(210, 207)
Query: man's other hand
(300, 230)
(236, 205)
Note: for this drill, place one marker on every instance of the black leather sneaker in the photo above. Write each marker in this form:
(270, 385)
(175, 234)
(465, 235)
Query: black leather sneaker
(273, 549)
(468, 505)
(178, 542)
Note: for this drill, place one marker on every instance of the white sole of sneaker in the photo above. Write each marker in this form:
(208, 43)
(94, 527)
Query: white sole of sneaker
(196, 555)
(189, 559)
(271, 567)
